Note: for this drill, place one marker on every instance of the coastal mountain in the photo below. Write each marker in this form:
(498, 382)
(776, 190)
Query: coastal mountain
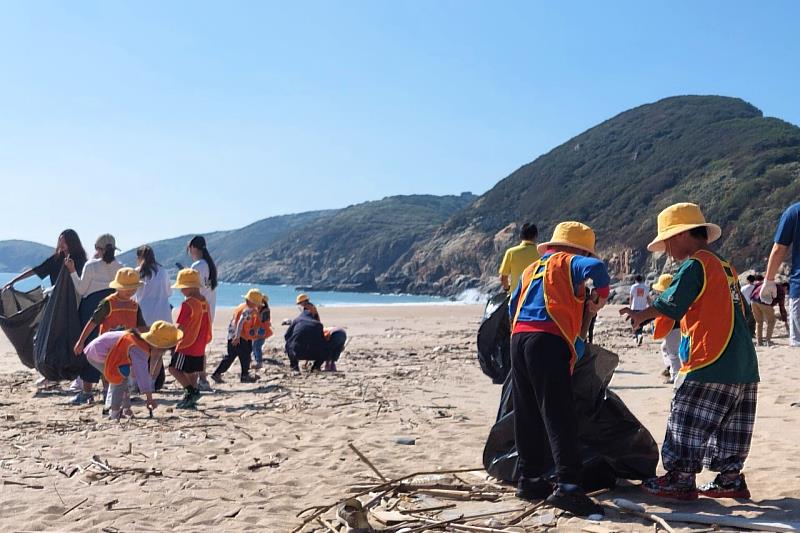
(16, 256)
(722, 153)
(230, 246)
(353, 248)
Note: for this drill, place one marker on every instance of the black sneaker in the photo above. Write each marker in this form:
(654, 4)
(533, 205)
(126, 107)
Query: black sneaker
(726, 487)
(574, 501)
(533, 488)
(217, 378)
(248, 378)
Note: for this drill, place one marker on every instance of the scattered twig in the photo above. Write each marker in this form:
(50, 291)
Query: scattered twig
(65, 513)
(367, 461)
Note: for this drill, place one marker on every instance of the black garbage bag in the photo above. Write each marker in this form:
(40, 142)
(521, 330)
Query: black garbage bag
(20, 313)
(494, 339)
(58, 332)
(612, 442)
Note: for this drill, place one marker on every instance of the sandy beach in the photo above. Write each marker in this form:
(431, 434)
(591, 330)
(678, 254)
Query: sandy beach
(254, 455)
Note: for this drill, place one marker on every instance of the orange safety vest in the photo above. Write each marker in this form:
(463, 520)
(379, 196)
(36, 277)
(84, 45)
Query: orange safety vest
(564, 307)
(123, 314)
(119, 356)
(249, 328)
(191, 330)
(707, 326)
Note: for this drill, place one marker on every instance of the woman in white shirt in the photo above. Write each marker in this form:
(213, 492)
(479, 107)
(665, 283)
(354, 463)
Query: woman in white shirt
(92, 286)
(153, 295)
(208, 274)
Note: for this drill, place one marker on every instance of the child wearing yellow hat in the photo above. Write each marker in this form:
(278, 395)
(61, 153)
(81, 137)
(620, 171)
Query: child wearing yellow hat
(189, 356)
(117, 311)
(713, 408)
(119, 355)
(242, 330)
(672, 338)
(547, 314)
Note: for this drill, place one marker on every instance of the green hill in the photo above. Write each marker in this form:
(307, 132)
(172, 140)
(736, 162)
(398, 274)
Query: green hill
(720, 152)
(353, 248)
(16, 256)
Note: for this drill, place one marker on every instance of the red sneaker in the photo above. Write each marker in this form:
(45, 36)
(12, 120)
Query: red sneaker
(671, 485)
(726, 487)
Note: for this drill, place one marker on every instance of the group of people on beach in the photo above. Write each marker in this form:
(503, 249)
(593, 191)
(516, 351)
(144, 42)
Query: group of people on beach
(127, 323)
(700, 311)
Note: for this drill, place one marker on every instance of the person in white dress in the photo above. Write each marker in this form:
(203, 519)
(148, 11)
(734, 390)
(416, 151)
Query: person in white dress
(153, 295)
(204, 264)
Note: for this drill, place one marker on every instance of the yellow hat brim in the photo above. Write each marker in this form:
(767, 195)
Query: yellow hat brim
(148, 338)
(714, 233)
(185, 286)
(115, 285)
(659, 288)
(542, 248)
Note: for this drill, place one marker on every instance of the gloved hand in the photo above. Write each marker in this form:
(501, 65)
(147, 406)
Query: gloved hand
(769, 291)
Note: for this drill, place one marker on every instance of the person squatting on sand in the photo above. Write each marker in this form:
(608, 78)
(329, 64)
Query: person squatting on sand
(765, 312)
(670, 346)
(242, 330)
(117, 355)
(547, 312)
(194, 321)
(307, 339)
(713, 408)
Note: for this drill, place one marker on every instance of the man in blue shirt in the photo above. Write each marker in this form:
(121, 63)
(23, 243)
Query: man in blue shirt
(787, 235)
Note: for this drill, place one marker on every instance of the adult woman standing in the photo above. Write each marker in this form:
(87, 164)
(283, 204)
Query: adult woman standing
(68, 246)
(92, 286)
(153, 295)
(204, 264)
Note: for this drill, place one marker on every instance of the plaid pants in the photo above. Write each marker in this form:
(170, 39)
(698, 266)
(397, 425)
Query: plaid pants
(710, 424)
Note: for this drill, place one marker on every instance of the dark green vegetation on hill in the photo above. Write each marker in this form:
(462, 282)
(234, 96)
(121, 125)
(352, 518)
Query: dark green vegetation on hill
(16, 256)
(354, 248)
(741, 167)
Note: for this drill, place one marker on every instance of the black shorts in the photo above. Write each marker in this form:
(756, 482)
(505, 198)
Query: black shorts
(187, 363)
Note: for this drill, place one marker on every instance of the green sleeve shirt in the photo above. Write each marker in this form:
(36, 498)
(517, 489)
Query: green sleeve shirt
(738, 363)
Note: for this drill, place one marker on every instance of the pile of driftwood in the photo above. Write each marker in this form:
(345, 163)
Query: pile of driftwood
(467, 501)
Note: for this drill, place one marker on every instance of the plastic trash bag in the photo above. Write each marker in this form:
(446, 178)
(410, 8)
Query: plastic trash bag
(20, 313)
(494, 339)
(612, 442)
(58, 331)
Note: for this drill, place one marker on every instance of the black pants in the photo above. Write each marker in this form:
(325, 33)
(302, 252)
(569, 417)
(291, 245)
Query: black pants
(242, 351)
(543, 406)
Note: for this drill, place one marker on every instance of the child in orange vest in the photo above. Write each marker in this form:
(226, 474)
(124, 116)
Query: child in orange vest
(242, 330)
(194, 320)
(119, 355)
(117, 311)
(713, 408)
(264, 332)
(547, 313)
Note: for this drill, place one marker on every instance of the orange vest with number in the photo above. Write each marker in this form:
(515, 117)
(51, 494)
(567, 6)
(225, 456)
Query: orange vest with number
(119, 356)
(707, 326)
(563, 306)
(192, 330)
(122, 314)
(250, 327)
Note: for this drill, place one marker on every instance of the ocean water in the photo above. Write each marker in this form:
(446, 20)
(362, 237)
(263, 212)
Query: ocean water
(230, 295)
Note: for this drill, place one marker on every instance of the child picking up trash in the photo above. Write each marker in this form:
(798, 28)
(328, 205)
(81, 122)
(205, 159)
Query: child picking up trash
(242, 330)
(120, 354)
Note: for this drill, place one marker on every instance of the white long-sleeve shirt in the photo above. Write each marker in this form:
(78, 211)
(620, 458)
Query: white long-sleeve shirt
(201, 265)
(153, 297)
(96, 276)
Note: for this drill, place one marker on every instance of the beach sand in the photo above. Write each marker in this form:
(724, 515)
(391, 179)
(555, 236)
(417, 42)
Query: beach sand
(254, 455)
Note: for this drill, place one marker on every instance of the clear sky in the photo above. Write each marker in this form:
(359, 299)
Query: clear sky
(152, 119)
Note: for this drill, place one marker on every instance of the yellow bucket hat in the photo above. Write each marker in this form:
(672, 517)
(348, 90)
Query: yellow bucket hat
(302, 298)
(664, 281)
(573, 234)
(678, 218)
(188, 278)
(162, 335)
(126, 279)
(255, 296)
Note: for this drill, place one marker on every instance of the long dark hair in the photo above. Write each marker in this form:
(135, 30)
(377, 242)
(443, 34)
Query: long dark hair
(74, 247)
(109, 253)
(199, 242)
(149, 266)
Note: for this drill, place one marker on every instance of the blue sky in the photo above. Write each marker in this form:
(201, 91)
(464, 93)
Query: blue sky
(153, 119)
